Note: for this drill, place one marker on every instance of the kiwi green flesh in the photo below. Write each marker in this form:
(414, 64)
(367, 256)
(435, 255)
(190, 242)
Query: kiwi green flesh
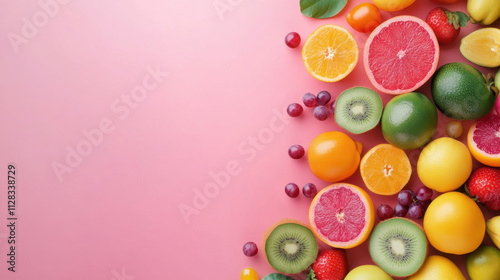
(291, 248)
(358, 109)
(398, 246)
(276, 276)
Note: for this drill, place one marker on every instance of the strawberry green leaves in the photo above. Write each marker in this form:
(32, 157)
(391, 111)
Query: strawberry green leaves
(321, 8)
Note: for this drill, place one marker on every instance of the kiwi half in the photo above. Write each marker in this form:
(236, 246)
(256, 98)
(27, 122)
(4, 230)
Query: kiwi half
(398, 246)
(358, 109)
(290, 247)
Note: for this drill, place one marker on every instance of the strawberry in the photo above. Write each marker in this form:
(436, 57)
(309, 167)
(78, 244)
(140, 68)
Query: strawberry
(331, 264)
(484, 186)
(446, 24)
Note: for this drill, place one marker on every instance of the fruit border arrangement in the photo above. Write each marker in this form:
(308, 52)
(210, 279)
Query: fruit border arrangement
(400, 55)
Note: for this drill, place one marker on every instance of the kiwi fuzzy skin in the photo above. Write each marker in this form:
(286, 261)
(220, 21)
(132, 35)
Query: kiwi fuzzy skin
(426, 247)
(271, 228)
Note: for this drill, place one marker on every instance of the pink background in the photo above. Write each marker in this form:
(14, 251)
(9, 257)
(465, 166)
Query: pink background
(217, 82)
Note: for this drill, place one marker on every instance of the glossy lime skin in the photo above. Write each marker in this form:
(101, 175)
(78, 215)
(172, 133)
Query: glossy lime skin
(409, 121)
(484, 263)
(460, 92)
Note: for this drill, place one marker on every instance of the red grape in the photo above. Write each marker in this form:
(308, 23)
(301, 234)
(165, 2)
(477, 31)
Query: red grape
(296, 151)
(416, 210)
(309, 190)
(400, 210)
(324, 97)
(332, 107)
(292, 190)
(320, 112)
(292, 39)
(385, 212)
(309, 100)
(250, 249)
(405, 197)
(423, 193)
(294, 110)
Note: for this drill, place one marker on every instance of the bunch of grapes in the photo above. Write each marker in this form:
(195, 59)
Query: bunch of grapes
(410, 203)
(319, 103)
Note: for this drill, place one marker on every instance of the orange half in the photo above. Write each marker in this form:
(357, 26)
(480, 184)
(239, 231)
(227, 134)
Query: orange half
(330, 53)
(385, 169)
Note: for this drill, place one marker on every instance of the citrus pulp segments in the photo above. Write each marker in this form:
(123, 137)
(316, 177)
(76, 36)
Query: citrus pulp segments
(482, 47)
(385, 169)
(483, 140)
(400, 55)
(330, 53)
(342, 215)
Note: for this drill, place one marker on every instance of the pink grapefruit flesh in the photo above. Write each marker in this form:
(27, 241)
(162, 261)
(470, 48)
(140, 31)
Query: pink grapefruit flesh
(401, 54)
(342, 215)
(483, 140)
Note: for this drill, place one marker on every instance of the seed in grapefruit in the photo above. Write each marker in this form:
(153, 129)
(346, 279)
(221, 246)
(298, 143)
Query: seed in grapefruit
(330, 53)
(483, 140)
(342, 215)
(401, 54)
(385, 169)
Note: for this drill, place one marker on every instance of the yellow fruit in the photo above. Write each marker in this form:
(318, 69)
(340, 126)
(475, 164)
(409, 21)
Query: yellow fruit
(444, 164)
(437, 267)
(493, 230)
(330, 53)
(454, 223)
(249, 274)
(484, 263)
(367, 271)
(482, 47)
(392, 5)
(385, 169)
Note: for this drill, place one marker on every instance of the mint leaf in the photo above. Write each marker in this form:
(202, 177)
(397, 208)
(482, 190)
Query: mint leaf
(321, 8)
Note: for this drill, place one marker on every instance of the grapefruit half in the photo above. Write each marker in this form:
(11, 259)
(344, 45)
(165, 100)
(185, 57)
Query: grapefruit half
(342, 215)
(401, 54)
(483, 140)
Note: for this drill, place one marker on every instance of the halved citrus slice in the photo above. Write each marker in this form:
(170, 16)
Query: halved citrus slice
(330, 53)
(342, 215)
(401, 54)
(385, 169)
(483, 140)
(482, 47)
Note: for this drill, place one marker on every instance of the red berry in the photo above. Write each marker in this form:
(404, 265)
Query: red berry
(484, 185)
(446, 24)
(331, 264)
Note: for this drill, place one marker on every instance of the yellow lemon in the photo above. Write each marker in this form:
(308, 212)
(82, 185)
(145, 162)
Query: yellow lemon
(437, 267)
(444, 164)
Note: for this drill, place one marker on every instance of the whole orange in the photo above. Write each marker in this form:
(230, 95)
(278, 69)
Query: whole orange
(333, 156)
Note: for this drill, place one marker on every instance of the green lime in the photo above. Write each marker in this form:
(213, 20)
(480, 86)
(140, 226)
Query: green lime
(409, 120)
(461, 92)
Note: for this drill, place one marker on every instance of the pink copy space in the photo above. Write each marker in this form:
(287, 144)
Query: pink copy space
(121, 116)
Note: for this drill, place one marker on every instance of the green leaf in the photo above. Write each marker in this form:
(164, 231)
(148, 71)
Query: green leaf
(463, 18)
(321, 8)
(311, 275)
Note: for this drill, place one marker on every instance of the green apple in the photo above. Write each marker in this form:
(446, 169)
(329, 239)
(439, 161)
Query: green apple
(484, 263)
(368, 271)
